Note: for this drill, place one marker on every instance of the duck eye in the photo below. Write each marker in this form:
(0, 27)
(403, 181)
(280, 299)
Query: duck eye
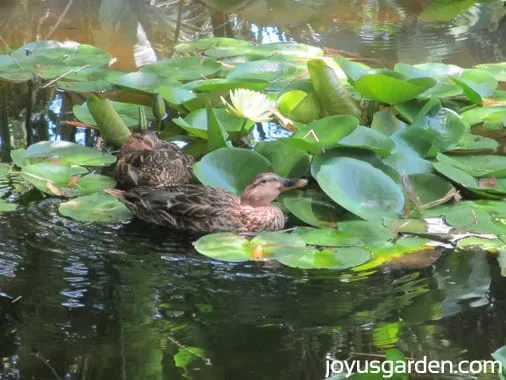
(263, 181)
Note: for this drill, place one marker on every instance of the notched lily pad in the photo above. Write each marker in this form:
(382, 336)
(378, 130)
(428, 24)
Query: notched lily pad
(98, 207)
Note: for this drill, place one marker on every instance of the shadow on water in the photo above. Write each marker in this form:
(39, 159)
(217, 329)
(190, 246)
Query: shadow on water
(84, 301)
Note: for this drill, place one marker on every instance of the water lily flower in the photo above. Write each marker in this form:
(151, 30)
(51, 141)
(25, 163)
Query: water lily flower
(248, 104)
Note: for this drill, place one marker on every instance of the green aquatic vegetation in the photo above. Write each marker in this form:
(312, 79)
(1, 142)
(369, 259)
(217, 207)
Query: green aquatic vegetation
(386, 146)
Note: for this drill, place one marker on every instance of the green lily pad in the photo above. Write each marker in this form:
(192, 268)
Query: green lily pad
(387, 89)
(224, 85)
(483, 165)
(212, 42)
(444, 11)
(299, 106)
(18, 156)
(471, 142)
(286, 161)
(498, 70)
(386, 123)
(353, 70)
(98, 208)
(185, 68)
(267, 70)
(227, 246)
(360, 188)
(324, 133)
(231, 168)
(430, 187)
(369, 139)
(456, 175)
(49, 177)
(49, 60)
(216, 134)
(6, 206)
(409, 163)
(92, 79)
(348, 233)
(196, 122)
(68, 152)
(314, 209)
(337, 258)
(480, 114)
(144, 83)
(291, 49)
(92, 183)
(128, 112)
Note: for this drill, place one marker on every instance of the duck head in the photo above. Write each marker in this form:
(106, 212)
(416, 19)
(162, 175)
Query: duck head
(266, 187)
(139, 141)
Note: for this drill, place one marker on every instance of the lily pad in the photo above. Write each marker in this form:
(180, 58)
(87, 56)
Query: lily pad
(6, 206)
(98, 208)
(128, 112)
(329, 258)
(68, 152)
(369, 139)
(299, 106)
(92, 183)
(267, 70)
(286, 161)
(387, 89)
(144, 83)
(348, 233)
(185, 68)
(49, 60)
(314, 209)
(48, 177)
(360, 188)
(196, 122)
(231, 168)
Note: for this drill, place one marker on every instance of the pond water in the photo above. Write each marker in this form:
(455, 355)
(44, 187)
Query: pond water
(84, 301)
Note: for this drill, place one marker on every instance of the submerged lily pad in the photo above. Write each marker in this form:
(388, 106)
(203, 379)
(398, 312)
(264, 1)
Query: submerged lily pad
(230, 168)
(98, 207)
(360, 188)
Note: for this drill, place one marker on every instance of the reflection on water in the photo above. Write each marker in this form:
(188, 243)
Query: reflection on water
(84, 301)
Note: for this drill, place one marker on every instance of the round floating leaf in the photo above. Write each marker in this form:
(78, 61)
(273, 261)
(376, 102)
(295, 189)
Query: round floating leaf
(223, 85)
(409, 163)
(498, 70)
(291, 48)
(360, 188)
(98, 207)
(387, 89)
(471, 142)
(7, 207)
(353, 70)
(48, 177)
(444, 11)
(275, 244)
(68, 152)
(476, 84)
(287, 161)
(49, 60)
(128, 112)
(339, 258)
(92, 79)
(314, 209)
(230, 168)
(90, 86)
(18, 157)
(349, 233)
(456, 175)
(480, 114)
(185, 68)
(483, 165)
(323, 134)
(267, 70)
(92, 183)
(196, 122)
(145, 83)
(430, 187)
(369, 139)
(225, 246)
(213, 42)
(299, 106)
(386, 123)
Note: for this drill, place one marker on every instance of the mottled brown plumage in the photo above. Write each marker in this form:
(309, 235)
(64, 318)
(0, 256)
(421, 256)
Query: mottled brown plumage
(144, 160)
(205, 209)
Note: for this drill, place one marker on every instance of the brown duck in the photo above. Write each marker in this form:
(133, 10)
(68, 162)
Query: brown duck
(206, 209)
(144, 160)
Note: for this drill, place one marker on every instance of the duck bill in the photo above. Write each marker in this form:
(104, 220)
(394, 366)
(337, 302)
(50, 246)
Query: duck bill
(289, 184)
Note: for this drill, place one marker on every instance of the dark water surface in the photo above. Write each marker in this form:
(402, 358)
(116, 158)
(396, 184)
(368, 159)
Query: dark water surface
(85, 301)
